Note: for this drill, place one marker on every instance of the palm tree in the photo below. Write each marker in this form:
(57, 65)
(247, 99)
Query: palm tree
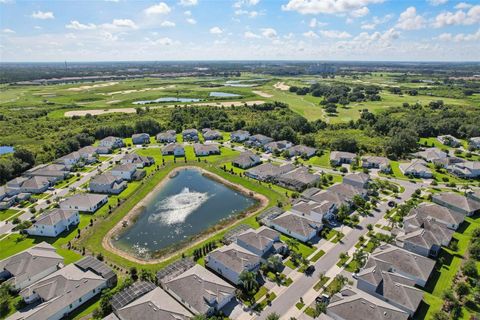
(248, 281)
(273, 316)
(292, 244)
(274, 263)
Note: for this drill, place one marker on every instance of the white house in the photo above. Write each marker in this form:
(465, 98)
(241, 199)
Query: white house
(175, 149)
(84, 202)
(54, 222)
(29, 266)
(229, 261)
(111, 143)
(417, 168)
(124, 171)
(239, 135)
(296, 226)
(60, 293)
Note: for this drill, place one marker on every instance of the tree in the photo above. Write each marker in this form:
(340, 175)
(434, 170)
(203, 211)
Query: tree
(462, 289)
(320, 307)
(470, 269)
(273, 316)
(5, 300)
(440, 315)
(274, 263)
(248, 281)
(133, 273)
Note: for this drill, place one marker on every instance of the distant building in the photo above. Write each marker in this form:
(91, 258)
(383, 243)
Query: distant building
(258, 140)
(175, 149)
(449, 140)
(339, 157)
(209, 134)
(246, 160)
(381, 163)
(141, 138)
(298, 179)
(357, 179)
(239, 135)
(169, 136)
(107, 183)
(296, 226)
(124, 171)
(465, 169)
(112, 143)
(277, 146)
(84, 202)
(431, 154)
(190, 135)
(138, 160)
(457, 202)
(268, 171)
(205, 149)
(416, 168)
(474, 142)
(301, 151)
(440, 214)
(54, 222)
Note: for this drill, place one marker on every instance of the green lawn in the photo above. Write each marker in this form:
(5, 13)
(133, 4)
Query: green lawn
(6, 214)
(317, 256)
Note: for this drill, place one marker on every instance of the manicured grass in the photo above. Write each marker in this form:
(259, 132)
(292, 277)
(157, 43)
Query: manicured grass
(323, 161)
(303, 249)
(262, 291)
(290, 264)
(6, 214)
(320, 283)
(317, 256)
(310, 312)
(299, 305)
(341, 262)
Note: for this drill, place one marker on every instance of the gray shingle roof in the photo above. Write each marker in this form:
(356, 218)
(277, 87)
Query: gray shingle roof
(435, 211)
(297, 224)
(54, 216)
(458, 201)
(235, 257)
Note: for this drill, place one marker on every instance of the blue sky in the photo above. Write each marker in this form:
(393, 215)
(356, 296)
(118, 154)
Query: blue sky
(102, 30)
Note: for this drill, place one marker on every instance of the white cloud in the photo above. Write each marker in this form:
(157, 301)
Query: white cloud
(437, 2)
(167, 24)
(269, 33)
(461, 37)
(188, 3)
(410, 20)
(159, 8)
(7, 30)
(358, 13)
(327, 6)
(463, 5)
(251, 35)
(386, 37)
(368, 26)
(188, 13)
(459, 17)
(371, 25)
(38, 28)
(245, 3)
(164, 41)
(6, 1)
(121, 23)
(43, 15)
(315, 23)
(76, 25)
(191, 21)
(310, 34)
(216, 30)
(335, 34)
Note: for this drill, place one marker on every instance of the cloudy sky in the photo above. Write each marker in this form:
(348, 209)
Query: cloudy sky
(99, 30)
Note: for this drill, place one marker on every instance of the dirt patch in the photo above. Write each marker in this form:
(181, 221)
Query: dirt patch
(99, 85)
(96, 112)
(281, 86)
(137, 209)
(262, 94)
(113, 101)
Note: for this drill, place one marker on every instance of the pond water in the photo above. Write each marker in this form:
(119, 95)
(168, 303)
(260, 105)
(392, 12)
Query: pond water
(6, 149)
(186, 205)
(224, 94)
(167, 99)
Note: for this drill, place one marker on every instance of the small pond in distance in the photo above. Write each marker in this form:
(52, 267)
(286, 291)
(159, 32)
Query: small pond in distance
(6, 149)
(224, 95)
(167, 99)
(184, 206)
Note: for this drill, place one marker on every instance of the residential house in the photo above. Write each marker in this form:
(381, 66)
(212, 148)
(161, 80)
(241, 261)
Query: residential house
(239, 135)
(209, 134)
(205, 149)
(154, 305)
(7, 202)
(259, 241)
(381, 163)
(431, 154)
(297, 179)
(449, 140)
(175, 149)
(417, 168)
(169, 136)
(425, 240)
(400, 261)
(201, 291)
(440, 214)
(474, 143)
(301, 151)
(112, 143)
(89, 154)
(357, 179)
(277, 146)
(457, 202)
(29, 266)
(84, 202)
(297, 226)
(447, 162)
(391, 287)
(465, 169)
(353, 304)
(138, 160)
(339, 157)
(54, 222)
(268, 171)
(35, 185)
(59, 294)
(473, 194)
(246, 160)
(107, 183)
(316, 211)
(131, 293)
(229, 261)
(190, 135)
(89, 263)
(124, 171)
(141, 138)
(258, 140)
(54, 172)
(70, 159)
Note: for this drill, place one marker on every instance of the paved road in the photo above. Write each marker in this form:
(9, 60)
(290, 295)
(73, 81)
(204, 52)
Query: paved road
(299, 287)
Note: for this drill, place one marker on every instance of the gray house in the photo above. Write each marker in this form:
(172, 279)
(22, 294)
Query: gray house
(112, 143)
(298, 179)
(246, 160)
(190, 135)
(107, 183)
(340, 157)
(168, 136)
(210, 134)
(457, 202)
(239, 135)
(375, 162)
(84, 202)
(301, 151)
(175, 149)
(141, 138)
